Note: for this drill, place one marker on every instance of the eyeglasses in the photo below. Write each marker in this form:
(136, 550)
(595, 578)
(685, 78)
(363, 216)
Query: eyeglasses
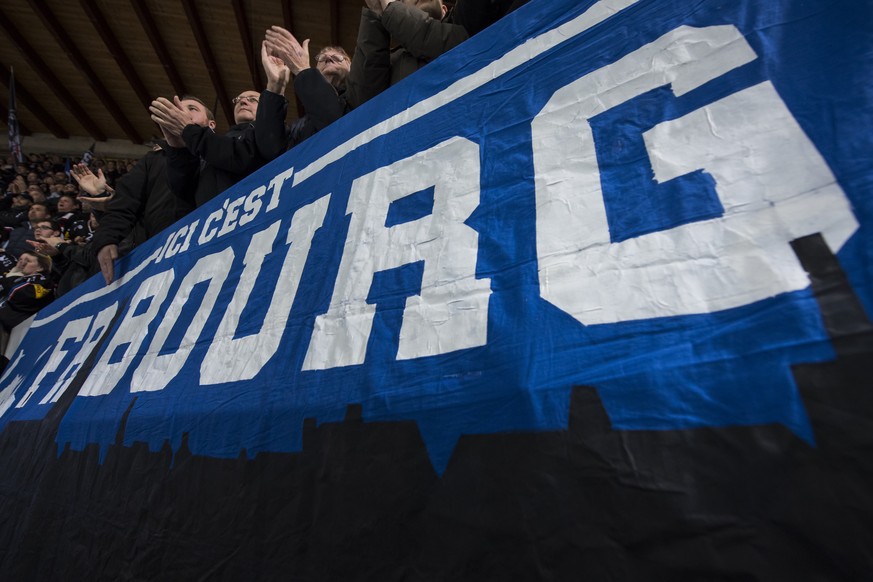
(42, 228)
(330, 59)
(249, 98)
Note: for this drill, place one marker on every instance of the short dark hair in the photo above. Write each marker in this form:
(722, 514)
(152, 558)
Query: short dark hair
(209, 114)
(336, 49)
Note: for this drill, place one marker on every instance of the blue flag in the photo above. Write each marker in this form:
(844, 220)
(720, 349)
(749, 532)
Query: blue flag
(14, 135)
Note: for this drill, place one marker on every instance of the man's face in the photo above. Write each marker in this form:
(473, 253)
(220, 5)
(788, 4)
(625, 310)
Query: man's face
(19, 201)
(245, 106)
(43, 230)
(28, 264)
(36, 193)
(198, 114)
(37, 212)
(334, 66)
(434, 8)
(66, 204)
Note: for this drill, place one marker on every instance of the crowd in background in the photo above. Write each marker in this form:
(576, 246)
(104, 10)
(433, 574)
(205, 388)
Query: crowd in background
(43, 206)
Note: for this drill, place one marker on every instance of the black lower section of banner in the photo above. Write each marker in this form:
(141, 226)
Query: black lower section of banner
(361, 502)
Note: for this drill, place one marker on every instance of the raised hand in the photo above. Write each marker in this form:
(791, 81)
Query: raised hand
(282, 44)
(277, 71)
(171, 118)
(93, 185)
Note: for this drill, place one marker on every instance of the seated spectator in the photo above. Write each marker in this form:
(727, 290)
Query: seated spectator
(19, 235)
(69, 213)
(417, 28)
(73, 262)
(13, 210)
(23, 291)
(36, 193)
(321, 90)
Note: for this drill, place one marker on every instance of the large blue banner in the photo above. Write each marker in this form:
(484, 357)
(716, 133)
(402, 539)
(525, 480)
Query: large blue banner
(591, 193)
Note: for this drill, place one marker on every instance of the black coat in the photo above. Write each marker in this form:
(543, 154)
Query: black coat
(142, 206)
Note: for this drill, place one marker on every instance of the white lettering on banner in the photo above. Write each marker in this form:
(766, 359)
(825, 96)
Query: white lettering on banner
(74, 330)
(773, 185)
(451, 311)
(276, 185)
(132, 331)
(157, 367)
(99, 325)
(231, 359)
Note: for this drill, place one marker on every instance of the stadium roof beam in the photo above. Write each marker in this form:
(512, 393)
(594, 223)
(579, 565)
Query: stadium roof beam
(51, 22)
(242, 24)
(154, 35)
(208, 58)
(109, 39)
(22, 95)
(54, 84)
(334, 22)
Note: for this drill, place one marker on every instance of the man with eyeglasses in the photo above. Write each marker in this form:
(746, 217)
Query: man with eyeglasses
(417, 27)
(321, 90)
(202, 164)
(18, 236)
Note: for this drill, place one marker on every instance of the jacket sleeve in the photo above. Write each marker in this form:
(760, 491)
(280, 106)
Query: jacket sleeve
(322, 103)
(370, 72)
(271, 136)
(422, 36)
(236, 155)
(183, 171)
(126, 205)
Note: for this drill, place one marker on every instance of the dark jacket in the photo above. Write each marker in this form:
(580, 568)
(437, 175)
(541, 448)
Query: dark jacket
(421, 39)
(323, 106)
(142, 206)
(477, 15)
(22, 296)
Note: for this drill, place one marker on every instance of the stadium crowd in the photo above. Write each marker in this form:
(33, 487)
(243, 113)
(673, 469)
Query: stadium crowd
(63, 220)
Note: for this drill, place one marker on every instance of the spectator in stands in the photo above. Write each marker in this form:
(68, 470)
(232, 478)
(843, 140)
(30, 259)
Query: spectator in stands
(13, 210)
(141, 206)
(23, 291)
(69, 213)
(36, 193)
(201, 164)
(321, 90)
(18, 236)
(73, 262)
(416, 26)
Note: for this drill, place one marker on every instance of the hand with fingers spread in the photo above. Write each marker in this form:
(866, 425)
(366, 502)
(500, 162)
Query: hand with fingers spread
(277, 71)
(282, 44)
(93, 185)
(170, 115)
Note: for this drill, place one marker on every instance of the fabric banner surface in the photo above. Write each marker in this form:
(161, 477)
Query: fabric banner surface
(585, 297)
